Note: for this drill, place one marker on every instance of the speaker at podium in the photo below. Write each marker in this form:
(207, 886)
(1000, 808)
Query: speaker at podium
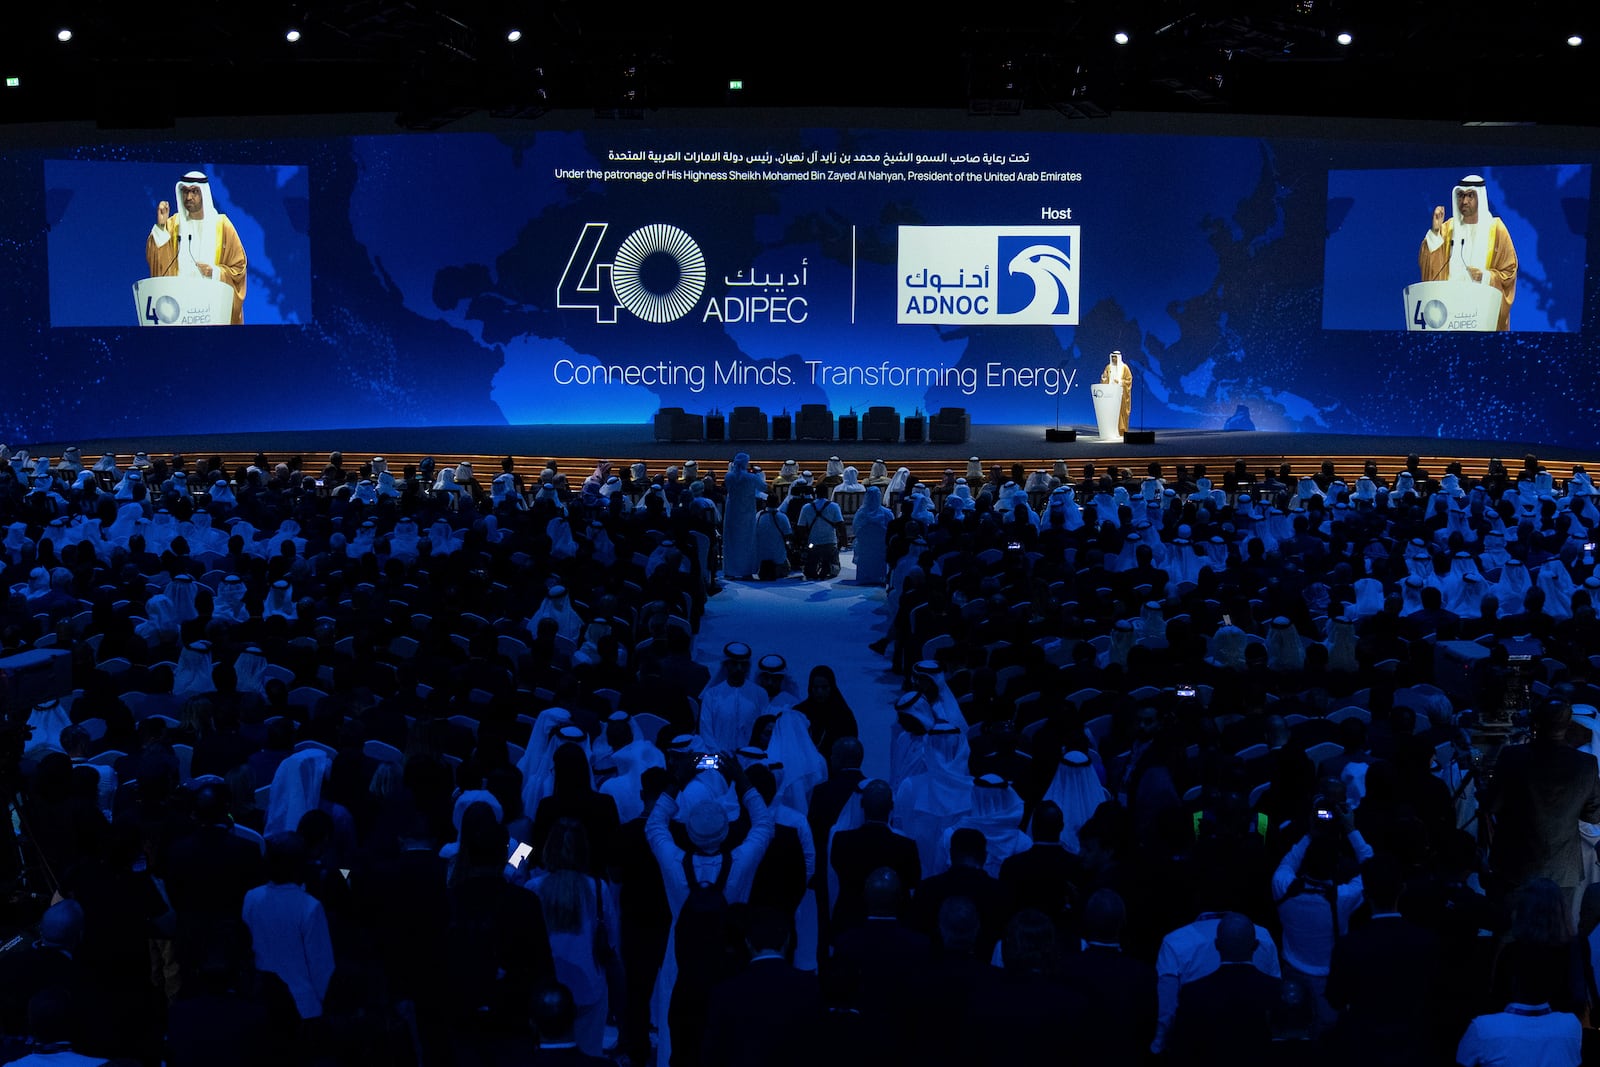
(1107, 409)
(182, 302)
(1451, 306)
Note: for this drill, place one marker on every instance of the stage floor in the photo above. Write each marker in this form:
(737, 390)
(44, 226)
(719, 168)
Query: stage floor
(991, 443)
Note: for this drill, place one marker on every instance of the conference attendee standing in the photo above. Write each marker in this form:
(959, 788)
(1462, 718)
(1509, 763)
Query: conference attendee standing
(1118, 372)
(742, 487)
(1539, 793)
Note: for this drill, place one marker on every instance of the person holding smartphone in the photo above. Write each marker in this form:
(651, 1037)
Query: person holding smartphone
(1314, 903)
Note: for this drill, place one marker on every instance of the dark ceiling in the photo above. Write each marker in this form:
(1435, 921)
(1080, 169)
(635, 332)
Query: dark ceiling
(134, 66)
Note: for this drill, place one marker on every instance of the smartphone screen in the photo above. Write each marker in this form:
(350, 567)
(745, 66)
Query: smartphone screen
(520, 852)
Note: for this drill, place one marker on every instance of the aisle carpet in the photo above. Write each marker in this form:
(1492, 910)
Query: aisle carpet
(809, 623)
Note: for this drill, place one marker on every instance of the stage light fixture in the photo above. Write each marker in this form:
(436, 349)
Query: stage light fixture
(1575, 40)
(513, 36)
(292, 36)
(63, 35)
(1344, 39)
(1120, 37)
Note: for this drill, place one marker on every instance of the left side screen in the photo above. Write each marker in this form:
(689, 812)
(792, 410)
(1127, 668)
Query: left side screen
(100, 216)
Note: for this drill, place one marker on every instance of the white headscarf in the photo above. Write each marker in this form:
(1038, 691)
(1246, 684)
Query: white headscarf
(251, 669)
(1513, 586)
(193, 676)
(537, 761)
(443, 538)
(181, 591)
(569, 623)
(198, 239)
(1369, 598)
(280, 602)
(47, 720)
(1077, 791)
(161, 621)
(803, 765)
(997, 814)
(296, 789)
(403, 539)
(1558, 588)
(898, 483)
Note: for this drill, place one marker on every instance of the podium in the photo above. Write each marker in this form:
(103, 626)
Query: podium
(1451, 306)
(182, 302)
(1107, 409)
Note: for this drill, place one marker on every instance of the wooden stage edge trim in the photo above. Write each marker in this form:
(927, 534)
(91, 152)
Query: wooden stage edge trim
(577, 449)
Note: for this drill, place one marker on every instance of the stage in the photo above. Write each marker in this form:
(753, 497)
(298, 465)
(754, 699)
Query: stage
(576, 448)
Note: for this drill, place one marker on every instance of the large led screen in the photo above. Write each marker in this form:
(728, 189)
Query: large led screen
(594, 275)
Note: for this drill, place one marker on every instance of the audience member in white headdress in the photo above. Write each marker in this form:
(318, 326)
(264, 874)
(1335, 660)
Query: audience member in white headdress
(280, 602)
(1369, 598)
(183, 591)
(1341, 644)
(1078, 792)
(16, 543)
(536, 758)
(404, 539)
(1513, 586)
(161, 625)
(250, 668)
(997, 814)
(296, 789)
(928, 801)
(193, 675)
(851, 483)
(898, 484)
(569, 624)
(443, 538)
(869, 532)
(1557, 586)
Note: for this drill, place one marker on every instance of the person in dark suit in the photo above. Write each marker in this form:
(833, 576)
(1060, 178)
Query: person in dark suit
(1119, 990)
(763, 1016)
(1383, 977)
(857, 853)
(960, 970)
(553, 1018)
(965, 878)
(1539, 793)
(1226, 1017)
(1041, 877)
(646, 917)
(1020, 1017)
(875, 964)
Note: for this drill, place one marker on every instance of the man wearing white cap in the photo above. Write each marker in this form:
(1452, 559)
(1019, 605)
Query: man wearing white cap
(730, 705)
(1468, 244)
(197, 242)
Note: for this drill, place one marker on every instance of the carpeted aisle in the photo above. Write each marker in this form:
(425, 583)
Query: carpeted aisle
(810, 623)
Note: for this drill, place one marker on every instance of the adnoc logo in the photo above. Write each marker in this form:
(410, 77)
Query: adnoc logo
(658, 273)
(989, 275)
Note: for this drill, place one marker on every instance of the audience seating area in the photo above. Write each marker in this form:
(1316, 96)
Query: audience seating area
(305, 723)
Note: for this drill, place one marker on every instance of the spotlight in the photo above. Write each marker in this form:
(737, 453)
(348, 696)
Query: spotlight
(1575, 40)
(63, 35)
(1344, 39)
(513, 36)
(293, 36)
(1120, 37)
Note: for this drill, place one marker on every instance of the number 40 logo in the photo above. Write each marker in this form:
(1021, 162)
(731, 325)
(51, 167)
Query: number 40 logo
(606, 288)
